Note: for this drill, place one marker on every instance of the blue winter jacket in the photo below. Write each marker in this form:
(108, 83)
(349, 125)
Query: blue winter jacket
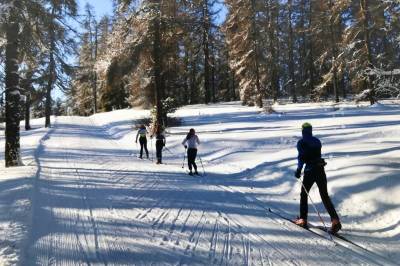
(309, 148)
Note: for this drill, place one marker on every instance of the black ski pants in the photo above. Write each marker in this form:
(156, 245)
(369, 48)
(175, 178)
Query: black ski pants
(159, 148)
(316, 175)
(191, 155)
(143, 144)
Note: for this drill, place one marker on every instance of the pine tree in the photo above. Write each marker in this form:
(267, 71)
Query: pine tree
(329, 30)
(360, 48)
(59, 46)
(18, 18)
(85, 88)
(13, 93)
(244, 43)
(291, 45)
(271, 29)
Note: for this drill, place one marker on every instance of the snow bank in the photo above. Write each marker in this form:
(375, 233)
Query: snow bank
(120, 125)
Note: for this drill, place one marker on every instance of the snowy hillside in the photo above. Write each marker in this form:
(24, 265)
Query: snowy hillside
(85, 198)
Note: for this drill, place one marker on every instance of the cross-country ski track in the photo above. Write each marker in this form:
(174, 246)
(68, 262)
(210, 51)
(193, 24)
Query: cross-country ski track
(95, 203)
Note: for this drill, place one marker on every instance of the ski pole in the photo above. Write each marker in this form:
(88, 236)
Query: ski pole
(184, 158)
(169, 150)
(201, 161)
(152, 149)
(315, 208)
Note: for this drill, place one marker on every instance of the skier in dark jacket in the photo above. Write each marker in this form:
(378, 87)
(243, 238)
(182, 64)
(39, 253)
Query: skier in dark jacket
(191, 142)
(160, 144)
(142, 135)
(309, 149)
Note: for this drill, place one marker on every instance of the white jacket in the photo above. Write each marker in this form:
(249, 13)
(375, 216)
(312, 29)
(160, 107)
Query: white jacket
(192, 143)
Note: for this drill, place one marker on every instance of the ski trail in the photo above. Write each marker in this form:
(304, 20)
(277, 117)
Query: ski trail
(97, 205)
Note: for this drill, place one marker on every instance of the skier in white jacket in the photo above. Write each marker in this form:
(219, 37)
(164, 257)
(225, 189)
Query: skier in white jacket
(191, 142)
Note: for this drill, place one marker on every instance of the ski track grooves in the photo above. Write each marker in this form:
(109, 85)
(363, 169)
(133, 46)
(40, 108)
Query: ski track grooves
(164, 215)
(366, 254)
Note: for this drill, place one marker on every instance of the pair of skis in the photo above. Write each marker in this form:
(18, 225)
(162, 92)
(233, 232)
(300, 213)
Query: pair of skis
(336, 238)
(194, 175)
(339, 240)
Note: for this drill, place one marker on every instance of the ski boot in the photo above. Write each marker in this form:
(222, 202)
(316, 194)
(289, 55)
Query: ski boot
(336, 226)
(300, 222)
(191, 173)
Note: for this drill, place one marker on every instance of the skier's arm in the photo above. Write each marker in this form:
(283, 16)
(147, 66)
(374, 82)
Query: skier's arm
(197, 140)
(184, 142)
(300, 162)
(137, 135)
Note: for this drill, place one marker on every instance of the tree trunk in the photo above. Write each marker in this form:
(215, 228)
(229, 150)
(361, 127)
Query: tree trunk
(333, 50)
(26, 87)
(233, 87)
(28, 111)
(292, 85)
(311, 69)
(277, 53)
(260, 94)
(303, 48)
(13, 96)
(365, 17)
(213, 89)
(343, 85)
(193, 74)
(206, 50)
(157, 72)
(94, 71)
(185, 96)
(52, 70)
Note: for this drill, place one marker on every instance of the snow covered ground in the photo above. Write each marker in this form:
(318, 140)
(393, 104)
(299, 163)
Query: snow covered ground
(85, 198)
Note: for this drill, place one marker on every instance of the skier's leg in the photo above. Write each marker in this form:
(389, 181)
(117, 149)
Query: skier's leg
(308, 181)
(190, 159)
(141, 147)
(323, 191)
(145, 147)
(194, 160)
(158, 152)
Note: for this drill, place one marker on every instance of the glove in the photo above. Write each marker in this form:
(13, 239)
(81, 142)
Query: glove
(322, 163)
(136, 141)
(297, 174)
(185, 146)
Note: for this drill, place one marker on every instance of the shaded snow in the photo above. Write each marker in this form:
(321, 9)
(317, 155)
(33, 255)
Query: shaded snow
(96, 203)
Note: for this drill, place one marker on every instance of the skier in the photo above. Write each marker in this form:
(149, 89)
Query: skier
(190, 143)
(160, 144)
(309, 149)
(142, 135)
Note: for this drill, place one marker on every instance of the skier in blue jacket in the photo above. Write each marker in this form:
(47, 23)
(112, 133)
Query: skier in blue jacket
(309, 150)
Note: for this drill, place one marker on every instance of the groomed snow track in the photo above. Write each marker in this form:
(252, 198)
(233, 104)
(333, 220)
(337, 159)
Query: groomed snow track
(96, 204)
